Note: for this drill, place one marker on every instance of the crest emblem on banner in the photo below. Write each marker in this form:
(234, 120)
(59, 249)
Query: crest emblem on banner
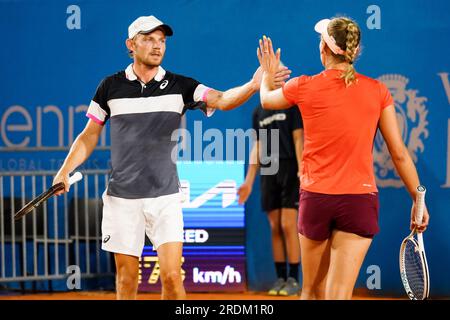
(412, 120)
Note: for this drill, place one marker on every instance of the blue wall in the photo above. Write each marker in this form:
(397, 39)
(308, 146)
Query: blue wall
(44, 63)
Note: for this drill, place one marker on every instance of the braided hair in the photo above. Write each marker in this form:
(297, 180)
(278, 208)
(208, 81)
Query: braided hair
(347, 34)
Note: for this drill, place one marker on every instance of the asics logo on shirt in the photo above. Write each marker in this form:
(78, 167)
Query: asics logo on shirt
(164, 84)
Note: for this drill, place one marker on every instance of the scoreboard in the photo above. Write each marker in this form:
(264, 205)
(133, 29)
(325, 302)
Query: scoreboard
(214, 230)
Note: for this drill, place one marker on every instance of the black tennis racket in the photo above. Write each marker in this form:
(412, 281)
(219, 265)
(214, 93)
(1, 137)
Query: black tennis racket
(413, 261)
(36, 202)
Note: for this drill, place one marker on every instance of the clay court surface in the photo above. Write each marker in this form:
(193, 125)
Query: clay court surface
(107, 295)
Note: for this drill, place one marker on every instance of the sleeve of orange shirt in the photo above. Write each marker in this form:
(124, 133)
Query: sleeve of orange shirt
(386, 97)
(296, 90)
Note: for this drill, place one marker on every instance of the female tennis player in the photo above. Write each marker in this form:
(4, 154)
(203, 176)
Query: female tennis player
(341, 110)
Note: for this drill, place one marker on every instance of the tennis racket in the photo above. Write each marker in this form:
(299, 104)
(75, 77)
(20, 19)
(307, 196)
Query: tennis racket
(413, 261)
(36, 202)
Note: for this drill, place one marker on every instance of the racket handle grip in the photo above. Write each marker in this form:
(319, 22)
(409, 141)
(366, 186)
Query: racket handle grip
(420, 203)
(77, 176)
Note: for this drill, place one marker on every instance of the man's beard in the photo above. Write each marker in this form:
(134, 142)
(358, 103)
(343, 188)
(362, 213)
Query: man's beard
(147, 62)
(151, 64)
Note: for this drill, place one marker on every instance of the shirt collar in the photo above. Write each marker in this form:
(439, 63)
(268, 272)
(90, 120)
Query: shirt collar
(129, 73)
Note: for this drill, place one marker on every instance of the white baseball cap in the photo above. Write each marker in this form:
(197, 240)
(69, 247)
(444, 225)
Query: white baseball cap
(147, 24)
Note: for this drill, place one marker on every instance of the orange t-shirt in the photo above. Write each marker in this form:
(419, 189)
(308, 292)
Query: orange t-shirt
(340, 124)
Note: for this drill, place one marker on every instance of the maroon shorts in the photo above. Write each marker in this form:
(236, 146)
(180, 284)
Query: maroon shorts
(320, 214)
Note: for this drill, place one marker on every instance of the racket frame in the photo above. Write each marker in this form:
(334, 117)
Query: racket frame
(424, 264)
(419, 246)
(36, 202)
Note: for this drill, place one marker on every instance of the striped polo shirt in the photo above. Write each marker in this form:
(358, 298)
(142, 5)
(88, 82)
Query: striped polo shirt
(143, 117)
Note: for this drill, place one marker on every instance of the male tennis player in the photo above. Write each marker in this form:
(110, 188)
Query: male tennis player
(144, 104)
(341, 110)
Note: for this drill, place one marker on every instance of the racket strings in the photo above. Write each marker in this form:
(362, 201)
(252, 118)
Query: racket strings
(414, 270)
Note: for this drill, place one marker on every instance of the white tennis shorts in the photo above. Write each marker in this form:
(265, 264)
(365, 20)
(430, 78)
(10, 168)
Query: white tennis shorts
(126, 222)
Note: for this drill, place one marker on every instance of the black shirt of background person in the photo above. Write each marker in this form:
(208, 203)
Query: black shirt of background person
(286, 121)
